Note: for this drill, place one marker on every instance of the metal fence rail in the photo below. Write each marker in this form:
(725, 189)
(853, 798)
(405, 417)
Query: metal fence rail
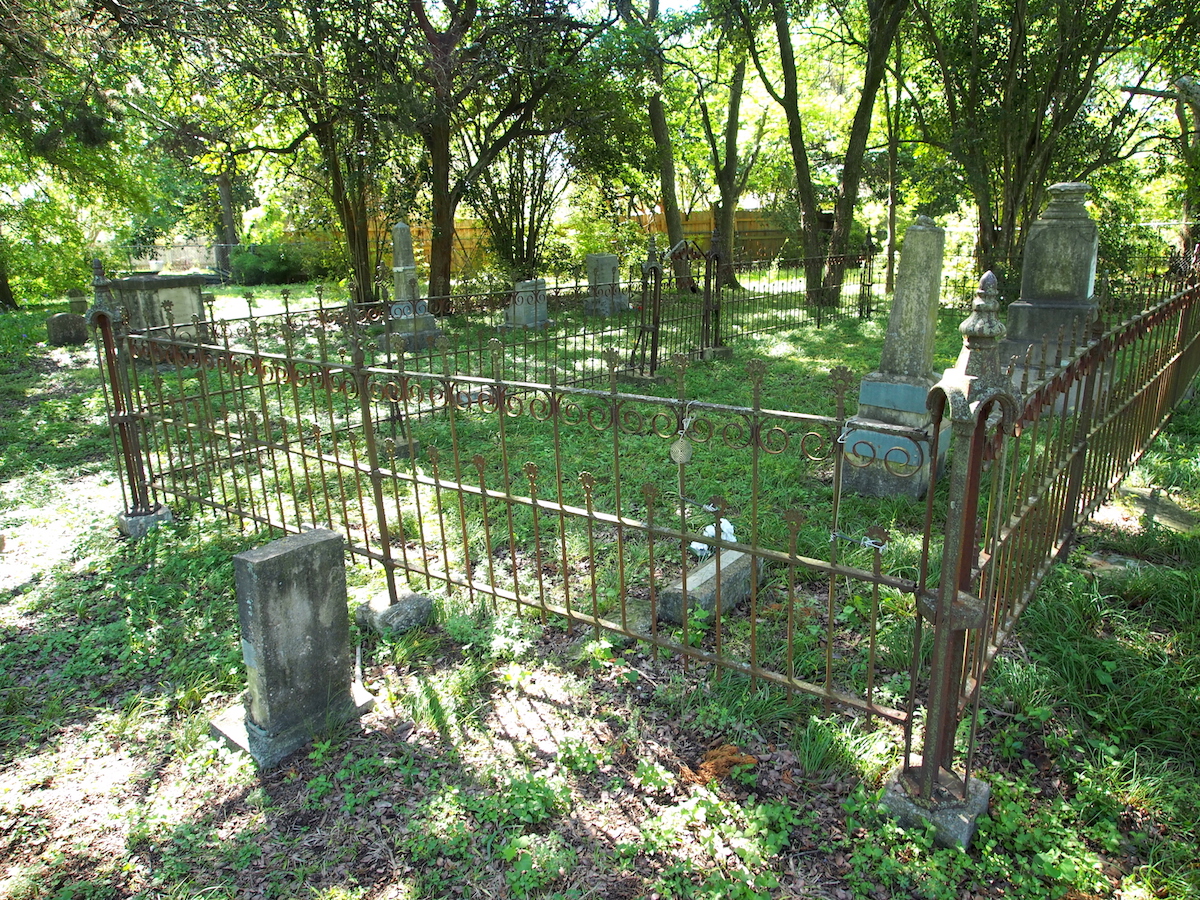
(599, 505)
(592, 504)
(1078, 434)
(1028, 473)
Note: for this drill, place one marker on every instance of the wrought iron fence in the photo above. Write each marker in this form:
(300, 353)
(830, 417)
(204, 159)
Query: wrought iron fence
(719, 533)
(647, 320)
(1029, 467)
(596, 505)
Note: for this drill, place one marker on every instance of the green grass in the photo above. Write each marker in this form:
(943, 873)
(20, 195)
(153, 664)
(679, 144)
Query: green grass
(124, 631)
(53, 424)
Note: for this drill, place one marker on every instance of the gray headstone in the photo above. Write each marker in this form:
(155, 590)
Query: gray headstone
(912, 324)
(528, 307)
(152, 301)
(404, 265)
(66, 330)
(295, 642)
(1058, 275)
(77, 300)
(411, 327)
(604, 295)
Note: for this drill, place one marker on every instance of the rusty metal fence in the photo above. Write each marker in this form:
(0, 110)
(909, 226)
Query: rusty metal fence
(1034, 453)
(719, 533)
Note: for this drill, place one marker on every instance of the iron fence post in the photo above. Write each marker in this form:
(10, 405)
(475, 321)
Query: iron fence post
(714, 277)
(979, 399)
(362, 383)
(1093, 359)
(107, 317)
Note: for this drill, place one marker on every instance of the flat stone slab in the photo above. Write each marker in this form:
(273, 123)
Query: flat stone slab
(702, 585)
(1155, 504)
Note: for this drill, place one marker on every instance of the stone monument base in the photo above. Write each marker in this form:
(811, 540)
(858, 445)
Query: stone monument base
(137, 527)
(411, 335)
(268, 750)
(882, 459)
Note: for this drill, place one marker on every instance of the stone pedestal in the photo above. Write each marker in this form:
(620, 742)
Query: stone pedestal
(528, 308)
(954, 821)
(137, 527)
(296, 645)
(1058, 279)
(411, 328)
(885, 461)
(604, 295)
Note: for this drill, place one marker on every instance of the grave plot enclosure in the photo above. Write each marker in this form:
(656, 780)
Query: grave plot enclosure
(719, 533)
(591, 503)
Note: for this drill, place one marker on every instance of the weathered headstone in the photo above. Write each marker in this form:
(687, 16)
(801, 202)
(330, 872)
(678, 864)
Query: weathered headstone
(296, 645)
(78, 301)
(528, 307)
(727, 571)
(152, 301)
(1058, 279)
(885, 462)
(411, 326)
(66, 330)
(604, 295)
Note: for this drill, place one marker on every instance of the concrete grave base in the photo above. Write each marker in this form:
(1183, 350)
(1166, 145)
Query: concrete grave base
(137, 527)
(411, 334)
(268, 750)
(955, 821)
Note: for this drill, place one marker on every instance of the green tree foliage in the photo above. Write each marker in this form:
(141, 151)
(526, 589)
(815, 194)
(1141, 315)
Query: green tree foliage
(60, 124)
(1016, 95)
(486, 69)
(865, 30)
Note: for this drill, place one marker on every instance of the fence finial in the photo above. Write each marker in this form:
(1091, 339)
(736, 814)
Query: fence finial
(982, 333)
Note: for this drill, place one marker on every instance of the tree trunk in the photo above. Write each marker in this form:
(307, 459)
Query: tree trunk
(893, 139)
(349, 199)
(7, 300)
(1189, 100)
(806, 195)
(667, 180)
(443, 205)
(729, 177)
(886, 16)
(227, 236)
